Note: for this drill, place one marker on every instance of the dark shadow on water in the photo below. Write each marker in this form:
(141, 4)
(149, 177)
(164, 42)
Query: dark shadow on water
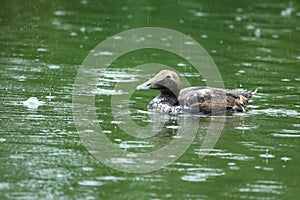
(207, 129)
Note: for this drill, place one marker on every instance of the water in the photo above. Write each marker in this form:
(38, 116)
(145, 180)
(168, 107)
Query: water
(254, 44)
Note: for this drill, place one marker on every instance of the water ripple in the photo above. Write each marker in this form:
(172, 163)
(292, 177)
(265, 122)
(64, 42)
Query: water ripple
(90, 183)
(201, 174)
(273, 112)
(227, 155)
(262, 189)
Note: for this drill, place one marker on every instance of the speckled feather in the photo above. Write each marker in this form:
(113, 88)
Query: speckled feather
(198, 100)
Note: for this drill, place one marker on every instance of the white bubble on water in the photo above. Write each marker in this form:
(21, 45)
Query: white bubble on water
(32, 103)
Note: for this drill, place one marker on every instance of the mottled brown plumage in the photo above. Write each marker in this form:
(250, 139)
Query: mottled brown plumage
(198, 100)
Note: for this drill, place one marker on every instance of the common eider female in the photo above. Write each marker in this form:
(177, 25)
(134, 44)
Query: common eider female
(197, 100)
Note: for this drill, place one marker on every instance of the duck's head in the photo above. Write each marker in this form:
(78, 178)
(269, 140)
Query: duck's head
(166, 81)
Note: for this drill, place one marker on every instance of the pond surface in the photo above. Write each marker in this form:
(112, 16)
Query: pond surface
(255, 44)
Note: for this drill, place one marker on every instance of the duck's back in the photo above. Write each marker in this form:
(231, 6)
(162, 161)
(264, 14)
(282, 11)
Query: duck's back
(212, 100)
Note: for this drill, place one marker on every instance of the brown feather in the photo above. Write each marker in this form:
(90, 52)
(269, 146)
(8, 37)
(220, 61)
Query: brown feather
(200, 99)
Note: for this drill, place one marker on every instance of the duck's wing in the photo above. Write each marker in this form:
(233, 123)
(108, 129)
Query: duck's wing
(212, 100)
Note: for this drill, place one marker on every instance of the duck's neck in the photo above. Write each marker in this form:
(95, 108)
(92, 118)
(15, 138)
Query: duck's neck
(169, 97)
(166, 103)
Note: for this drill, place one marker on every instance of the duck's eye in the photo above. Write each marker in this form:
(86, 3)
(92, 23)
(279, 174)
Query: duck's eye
(168, 76)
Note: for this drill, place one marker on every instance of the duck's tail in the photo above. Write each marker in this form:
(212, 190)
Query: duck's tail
(252, 92)
(241, 102)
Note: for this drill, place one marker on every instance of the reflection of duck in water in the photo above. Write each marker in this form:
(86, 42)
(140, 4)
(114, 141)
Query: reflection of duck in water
(198, 100)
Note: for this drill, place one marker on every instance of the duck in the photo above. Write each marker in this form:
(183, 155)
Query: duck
(196, 100)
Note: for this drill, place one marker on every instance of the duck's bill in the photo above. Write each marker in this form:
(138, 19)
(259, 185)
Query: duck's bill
(144, 86)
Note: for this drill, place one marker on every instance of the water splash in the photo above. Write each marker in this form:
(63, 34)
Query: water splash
(33, 103)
